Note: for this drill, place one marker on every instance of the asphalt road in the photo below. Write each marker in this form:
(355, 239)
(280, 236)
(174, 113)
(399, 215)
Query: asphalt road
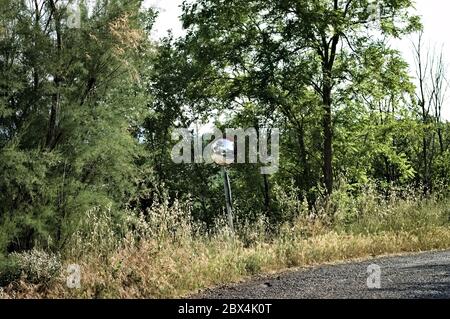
(425, 275)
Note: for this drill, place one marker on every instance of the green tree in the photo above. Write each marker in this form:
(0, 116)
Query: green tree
(278, 51)
(70, 101)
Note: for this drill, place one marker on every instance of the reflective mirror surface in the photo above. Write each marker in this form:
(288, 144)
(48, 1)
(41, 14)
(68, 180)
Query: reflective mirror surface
(223, 152)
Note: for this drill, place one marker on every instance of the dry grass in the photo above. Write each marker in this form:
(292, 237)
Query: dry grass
(164, 255)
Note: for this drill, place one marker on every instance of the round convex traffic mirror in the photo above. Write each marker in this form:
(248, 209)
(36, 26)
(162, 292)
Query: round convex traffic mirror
(223, 152)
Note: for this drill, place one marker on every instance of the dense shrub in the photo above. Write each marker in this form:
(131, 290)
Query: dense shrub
(34, 266)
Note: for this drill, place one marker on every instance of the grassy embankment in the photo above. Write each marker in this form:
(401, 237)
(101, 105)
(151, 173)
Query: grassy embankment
(167, 255)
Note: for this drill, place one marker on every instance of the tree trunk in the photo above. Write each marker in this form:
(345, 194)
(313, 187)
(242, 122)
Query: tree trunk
(56, 99)
(266, 193)
(441, 140)
(328, 141)
(328, 54)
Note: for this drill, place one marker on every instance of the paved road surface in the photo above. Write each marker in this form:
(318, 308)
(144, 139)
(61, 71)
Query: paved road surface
(425, 275)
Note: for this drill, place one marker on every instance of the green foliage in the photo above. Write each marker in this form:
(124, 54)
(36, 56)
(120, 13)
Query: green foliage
(71, 100)
(35, 267)
(86, 117)
(318, 70)
(9, 271)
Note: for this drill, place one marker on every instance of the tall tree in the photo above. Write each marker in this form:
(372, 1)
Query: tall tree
(70, 102)
(431, 93)
(271, 45)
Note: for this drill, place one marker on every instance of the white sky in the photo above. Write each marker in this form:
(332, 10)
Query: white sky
(435, 17)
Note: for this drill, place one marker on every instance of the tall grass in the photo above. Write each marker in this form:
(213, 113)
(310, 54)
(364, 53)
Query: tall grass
(164, 253)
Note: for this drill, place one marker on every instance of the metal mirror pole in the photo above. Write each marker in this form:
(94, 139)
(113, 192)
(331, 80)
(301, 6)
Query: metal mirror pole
(228, 198)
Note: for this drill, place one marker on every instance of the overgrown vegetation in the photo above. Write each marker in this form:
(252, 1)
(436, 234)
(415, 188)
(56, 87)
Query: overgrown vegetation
(166, 254)
(87, 114)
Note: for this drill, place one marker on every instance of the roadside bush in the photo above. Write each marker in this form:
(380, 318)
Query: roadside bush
(34, 266)
(163, 252)
(38, 266)
(9, 271)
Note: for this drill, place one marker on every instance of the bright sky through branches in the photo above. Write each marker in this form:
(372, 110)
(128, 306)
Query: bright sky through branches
(434, 17)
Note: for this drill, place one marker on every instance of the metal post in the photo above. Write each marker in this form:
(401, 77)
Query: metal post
(228, 198)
